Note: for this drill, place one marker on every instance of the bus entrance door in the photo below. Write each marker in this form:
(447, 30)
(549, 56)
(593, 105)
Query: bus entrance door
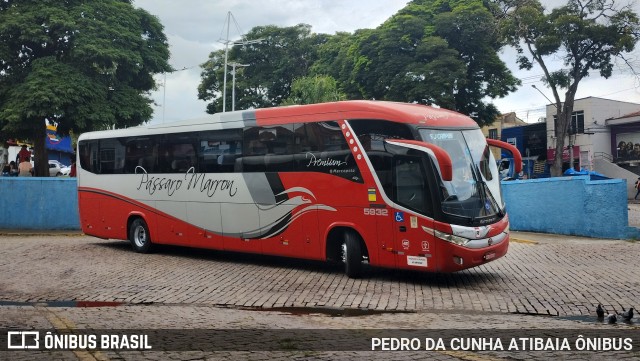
(411, 191)
(384, 234)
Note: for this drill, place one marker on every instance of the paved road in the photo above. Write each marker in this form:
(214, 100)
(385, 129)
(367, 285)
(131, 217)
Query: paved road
(544, 283)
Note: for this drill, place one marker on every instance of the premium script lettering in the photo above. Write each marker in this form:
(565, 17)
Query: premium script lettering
(192, 181)
(320, 162)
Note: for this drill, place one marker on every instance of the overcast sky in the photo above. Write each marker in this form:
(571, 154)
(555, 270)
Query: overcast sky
(197, 27)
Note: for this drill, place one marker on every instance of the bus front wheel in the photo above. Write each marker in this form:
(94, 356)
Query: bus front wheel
(139, 236)
(352, 255)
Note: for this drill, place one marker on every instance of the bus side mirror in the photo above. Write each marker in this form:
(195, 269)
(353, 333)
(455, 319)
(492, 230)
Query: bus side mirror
(440, 155)
(517, 157)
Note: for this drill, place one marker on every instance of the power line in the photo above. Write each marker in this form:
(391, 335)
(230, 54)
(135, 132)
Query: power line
(619, 91)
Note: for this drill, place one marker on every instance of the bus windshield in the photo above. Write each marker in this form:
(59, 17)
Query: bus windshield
(474, 192)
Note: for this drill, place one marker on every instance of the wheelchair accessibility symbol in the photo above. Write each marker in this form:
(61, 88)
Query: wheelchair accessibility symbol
(399, 216)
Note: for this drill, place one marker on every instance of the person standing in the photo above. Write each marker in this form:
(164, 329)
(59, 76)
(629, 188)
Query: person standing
(637, 188)
(25, 168)
(23, 154)
(72, 172)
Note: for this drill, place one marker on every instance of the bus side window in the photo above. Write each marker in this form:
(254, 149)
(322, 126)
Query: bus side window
(411, 189)
(253, 151)
(382, 163)
(131, 157)
(88, 156)
(165, 157)
(268, 149)
(372, 132)
(314, 140)
(184, 157)
(218, 150)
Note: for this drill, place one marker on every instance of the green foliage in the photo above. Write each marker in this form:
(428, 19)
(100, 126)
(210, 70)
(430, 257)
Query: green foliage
(314, 89)
(469, 28)
(280, 56)
(586, 35)
(336, 59)
(81, 64)
(432, 52)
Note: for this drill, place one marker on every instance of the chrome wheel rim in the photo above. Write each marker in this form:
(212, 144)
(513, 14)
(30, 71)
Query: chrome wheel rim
(140, 236)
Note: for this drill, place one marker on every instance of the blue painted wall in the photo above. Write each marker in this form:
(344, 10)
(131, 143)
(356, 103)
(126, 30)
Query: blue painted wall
(33, 203)
(564, 205)
(569, 205)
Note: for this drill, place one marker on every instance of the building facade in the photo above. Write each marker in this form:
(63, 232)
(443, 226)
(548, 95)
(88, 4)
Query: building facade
(596, 124)
(494, 131)
(625, 141)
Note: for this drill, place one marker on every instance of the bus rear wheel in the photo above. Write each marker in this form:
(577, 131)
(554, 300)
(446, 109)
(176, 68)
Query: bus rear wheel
(352, 255)
(139, 236)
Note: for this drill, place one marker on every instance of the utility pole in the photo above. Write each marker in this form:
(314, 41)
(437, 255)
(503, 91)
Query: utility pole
(226, 43)
(164, 90)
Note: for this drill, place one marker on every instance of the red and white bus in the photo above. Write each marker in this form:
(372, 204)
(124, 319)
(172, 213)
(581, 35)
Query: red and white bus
(389, 184)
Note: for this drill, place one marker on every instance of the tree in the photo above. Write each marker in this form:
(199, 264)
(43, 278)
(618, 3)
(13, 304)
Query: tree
(335, 59)
(80, 64)
(586, 34)
(441, 52)
(314, 89)
(281, 55)
(431, 52)
(470, 29)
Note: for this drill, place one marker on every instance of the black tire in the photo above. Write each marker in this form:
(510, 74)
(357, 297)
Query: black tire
(352, 255)
(139, 236)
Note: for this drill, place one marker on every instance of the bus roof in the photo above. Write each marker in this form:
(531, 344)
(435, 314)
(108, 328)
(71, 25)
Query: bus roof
(352, 109)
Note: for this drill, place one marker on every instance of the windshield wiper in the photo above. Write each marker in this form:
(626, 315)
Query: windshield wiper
(492, 199)
(485, 193)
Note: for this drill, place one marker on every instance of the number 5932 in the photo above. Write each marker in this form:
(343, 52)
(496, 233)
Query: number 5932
(376, 212)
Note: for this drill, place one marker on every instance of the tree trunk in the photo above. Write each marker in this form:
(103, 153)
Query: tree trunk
(559, 125)
(563, 120)
(41, 167)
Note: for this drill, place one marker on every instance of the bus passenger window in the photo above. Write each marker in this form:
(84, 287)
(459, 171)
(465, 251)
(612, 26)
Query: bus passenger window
(218, 150)
(268, 149)
(88, 155)
(410, 184)
(165, 157)
(382, 163)
(184, 157)
(138, 153)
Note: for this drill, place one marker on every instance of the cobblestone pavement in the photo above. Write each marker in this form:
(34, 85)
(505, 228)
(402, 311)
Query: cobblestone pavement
(544, 283)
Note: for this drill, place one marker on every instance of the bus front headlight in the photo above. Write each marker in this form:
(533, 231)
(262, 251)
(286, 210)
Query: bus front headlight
(460, 241)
